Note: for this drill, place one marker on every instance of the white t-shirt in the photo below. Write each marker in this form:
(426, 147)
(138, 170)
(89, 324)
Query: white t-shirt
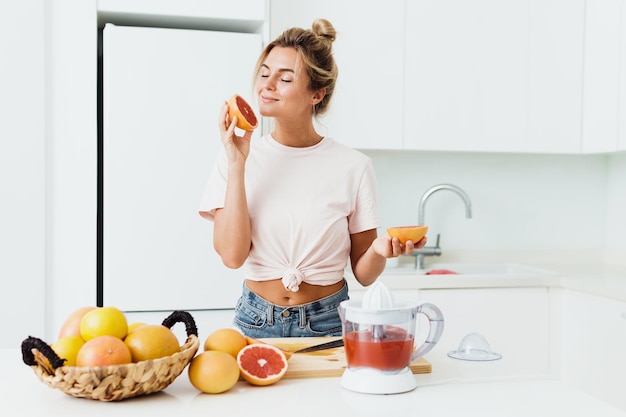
(303, 204)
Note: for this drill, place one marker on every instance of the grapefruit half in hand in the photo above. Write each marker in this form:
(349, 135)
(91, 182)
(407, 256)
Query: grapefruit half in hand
(404, 233)
(246, 119)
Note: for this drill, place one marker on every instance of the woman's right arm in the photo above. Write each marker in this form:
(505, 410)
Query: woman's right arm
(231, 233)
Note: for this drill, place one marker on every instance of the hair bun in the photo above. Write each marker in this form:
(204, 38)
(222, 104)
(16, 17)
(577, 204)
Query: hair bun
(325, 29)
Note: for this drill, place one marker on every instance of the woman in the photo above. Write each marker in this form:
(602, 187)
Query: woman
(293, 206)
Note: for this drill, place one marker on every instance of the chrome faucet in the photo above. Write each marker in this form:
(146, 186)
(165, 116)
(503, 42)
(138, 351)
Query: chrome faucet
(436, 250)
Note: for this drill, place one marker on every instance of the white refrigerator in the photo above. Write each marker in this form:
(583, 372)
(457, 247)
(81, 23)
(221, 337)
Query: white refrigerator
(161, 93)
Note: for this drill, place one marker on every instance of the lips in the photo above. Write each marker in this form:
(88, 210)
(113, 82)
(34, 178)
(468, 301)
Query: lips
(267, 99)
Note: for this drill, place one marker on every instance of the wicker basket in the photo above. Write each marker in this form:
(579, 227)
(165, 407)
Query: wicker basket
(115, 382)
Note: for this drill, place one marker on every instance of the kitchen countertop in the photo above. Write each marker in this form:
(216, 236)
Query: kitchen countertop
(447, 391)
(592, 278)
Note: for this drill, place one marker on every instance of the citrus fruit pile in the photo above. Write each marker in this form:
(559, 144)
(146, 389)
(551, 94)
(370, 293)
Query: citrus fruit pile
(101, 336)
(229, 355)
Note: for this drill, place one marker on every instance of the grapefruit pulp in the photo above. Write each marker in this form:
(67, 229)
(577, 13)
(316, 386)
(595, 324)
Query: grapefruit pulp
(246, 119)
(262, 364)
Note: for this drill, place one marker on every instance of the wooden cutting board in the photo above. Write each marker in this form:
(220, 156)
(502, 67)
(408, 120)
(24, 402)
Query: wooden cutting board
(323, 363)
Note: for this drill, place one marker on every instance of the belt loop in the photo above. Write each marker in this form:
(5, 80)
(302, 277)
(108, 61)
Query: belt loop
(270, 314)
(302, 316)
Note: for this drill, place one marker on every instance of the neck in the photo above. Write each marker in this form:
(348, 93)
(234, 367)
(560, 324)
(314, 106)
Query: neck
(297, 137)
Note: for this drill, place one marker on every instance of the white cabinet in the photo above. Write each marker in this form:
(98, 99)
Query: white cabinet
(602, 75)
(466, 75)
(515, 322)
(469, 76)
(162, 92)
(594, 342)
(555, 76)
(366, 110)
(495, 76)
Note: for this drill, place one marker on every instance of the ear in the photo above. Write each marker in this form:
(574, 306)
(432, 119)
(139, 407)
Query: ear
(318, 96)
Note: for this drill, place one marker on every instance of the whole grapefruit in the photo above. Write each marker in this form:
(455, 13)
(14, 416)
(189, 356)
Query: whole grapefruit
(67, 348)
(71, 325)
(103, 321)
(103, 351)
(213, 372)
(226, 340)
(151, 341)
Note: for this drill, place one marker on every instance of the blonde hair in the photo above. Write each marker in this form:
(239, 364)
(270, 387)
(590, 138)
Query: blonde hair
(314, 48)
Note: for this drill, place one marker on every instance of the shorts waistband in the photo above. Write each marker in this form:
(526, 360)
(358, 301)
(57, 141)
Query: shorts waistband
(277, 312)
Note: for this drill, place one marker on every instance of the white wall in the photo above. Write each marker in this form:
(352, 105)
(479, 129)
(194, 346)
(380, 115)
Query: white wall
(616, 209)
(22, 170)
(520, 202)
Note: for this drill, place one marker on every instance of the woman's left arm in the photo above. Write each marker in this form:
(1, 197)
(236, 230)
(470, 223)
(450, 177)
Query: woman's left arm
(369, 254)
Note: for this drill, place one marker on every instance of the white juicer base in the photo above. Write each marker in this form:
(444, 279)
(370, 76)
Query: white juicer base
(371, 381)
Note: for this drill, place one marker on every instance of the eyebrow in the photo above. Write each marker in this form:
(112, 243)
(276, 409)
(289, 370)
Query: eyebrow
(280, 69)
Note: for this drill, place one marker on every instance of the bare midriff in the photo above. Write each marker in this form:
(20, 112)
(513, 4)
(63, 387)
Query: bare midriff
(275, 292)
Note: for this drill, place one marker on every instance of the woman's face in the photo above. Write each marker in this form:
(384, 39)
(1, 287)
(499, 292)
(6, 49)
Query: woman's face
(282, 86)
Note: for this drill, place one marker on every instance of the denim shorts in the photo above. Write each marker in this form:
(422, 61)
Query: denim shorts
(258, 318)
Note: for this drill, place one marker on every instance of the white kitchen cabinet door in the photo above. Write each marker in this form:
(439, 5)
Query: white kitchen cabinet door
(365, 111)
(601, 75)
(163, 89)
(594, 342)
(466, 75)
(556, 71)
(515, 322)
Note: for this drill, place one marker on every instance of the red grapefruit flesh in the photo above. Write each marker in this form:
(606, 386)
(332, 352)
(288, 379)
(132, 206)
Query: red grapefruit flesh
(246, 119)
(262, 364)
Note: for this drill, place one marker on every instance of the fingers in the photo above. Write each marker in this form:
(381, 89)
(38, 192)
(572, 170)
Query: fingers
(398, 248)
(222, 120)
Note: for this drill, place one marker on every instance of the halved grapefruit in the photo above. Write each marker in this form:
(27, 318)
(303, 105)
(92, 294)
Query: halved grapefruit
(262, 364)
(246, 119)
(404, 233)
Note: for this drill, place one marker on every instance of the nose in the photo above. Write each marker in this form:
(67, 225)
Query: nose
(268, 83)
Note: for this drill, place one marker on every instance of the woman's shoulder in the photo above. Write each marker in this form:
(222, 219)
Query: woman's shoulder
(346, 150)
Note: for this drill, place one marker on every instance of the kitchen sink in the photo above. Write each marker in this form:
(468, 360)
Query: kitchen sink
(470, 269)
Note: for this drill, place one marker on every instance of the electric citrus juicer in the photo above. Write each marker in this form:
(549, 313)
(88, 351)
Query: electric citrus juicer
(378, 336)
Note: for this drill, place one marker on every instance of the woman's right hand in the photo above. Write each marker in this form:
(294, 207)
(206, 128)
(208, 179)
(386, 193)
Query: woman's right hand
(237, 147)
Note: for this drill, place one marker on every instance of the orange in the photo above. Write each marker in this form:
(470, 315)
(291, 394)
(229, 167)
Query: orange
(102, 351)
(103, 321)
(151, 341)
(67, 348)
(71, 325)
(226, 340)
(246, 119)
(261, 364)
(404, 233)
(213, 372)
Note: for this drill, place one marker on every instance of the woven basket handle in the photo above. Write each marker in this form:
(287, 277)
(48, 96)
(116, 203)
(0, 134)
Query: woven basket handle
(182, 317)
(28, 357)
